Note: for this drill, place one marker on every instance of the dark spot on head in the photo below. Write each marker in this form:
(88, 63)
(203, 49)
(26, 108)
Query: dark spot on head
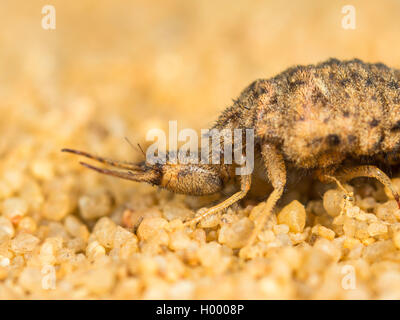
(274, 99)
(344, 82)
(346, 114)
(374, 123)
(331, 76)
(318, 97)
(257, 88)
(333, 140)
(293, 85)
(396, 127)
(368, 82)
(373, 97)
(355, 76)
(378, 144)
(260, 91)
(351, 138)
(383, 101)
(393, 85)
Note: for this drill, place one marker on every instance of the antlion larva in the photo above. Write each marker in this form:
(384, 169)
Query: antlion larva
(336, 118)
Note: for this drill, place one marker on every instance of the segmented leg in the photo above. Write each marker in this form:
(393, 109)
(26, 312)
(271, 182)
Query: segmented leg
(326, 176)
(370, 172)
(276, 171)
(245, 182)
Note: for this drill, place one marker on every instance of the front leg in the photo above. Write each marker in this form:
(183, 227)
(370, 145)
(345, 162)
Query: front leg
(369, 171)
(348, 173)
(245, 183)
(326, 175)
(276, 171)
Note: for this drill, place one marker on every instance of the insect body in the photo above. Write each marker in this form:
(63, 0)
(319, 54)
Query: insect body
(328, 118)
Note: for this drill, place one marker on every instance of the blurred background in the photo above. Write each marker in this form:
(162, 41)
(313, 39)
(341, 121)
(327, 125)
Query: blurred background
(120, 68)
(116, 69)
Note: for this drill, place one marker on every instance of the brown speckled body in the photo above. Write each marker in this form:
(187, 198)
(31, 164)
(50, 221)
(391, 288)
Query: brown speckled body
(320, 115)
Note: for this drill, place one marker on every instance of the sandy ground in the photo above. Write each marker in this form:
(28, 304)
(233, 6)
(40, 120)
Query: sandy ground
(115, 70)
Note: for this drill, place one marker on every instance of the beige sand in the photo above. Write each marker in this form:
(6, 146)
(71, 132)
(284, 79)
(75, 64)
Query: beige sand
(114, 69)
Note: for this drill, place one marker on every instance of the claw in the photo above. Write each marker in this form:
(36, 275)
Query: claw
(114, 163)
(128, 175)
(133, 172)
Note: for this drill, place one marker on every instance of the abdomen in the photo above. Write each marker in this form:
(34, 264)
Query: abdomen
(322, 114)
